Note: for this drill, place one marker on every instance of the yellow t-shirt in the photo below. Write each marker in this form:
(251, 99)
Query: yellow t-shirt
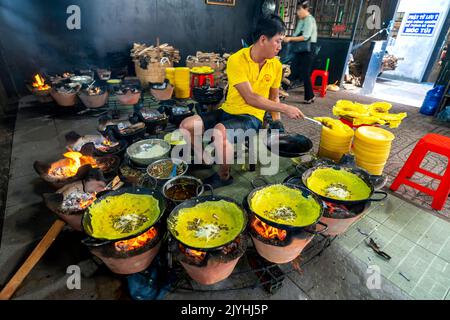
(241, 68)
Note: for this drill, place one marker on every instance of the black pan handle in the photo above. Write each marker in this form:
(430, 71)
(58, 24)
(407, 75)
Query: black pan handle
(201, 189)
(93, 243)
(385, 195)
(300, 169)
(325, 228)
(259, 179)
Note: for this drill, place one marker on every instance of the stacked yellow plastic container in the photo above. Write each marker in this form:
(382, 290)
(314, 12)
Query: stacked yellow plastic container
(372, 147)
(336, 139)
(170, 75)
(182, 83)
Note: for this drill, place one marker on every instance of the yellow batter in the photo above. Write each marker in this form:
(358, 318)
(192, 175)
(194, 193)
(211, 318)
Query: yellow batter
(122, 216)
(338, 184)
(284, 205)
(208, 224)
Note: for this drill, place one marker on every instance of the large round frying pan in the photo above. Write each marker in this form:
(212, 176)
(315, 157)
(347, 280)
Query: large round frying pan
(86, 219)
(288, 145)
(305, 193)
(363, 175)
(171, 221)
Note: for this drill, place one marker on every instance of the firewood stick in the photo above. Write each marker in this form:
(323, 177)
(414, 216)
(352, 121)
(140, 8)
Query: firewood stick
(45, 243)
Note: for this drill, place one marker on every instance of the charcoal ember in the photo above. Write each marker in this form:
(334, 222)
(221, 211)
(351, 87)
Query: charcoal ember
(74, 201)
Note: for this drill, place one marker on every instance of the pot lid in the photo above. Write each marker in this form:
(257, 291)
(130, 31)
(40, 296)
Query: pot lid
(121, 216)
(285, 205)
(338, 184)
(208, 224)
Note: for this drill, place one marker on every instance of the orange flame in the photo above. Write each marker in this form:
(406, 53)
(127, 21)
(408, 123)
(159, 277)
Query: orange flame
(198, 255)
(335, 208)
(39, 83)
(136, 243)
(268, 232)
(86, 203)
(69, 166)
(107, 143)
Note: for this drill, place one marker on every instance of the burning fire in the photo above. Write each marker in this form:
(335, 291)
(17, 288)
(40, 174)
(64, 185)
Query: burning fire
(136, 243)
(69, 166)
(39, 83)
(86, 203)
(268, 232)
(197, 255)
(94, 91)
(336, 208)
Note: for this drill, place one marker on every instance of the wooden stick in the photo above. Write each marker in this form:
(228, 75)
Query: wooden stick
(45, 243)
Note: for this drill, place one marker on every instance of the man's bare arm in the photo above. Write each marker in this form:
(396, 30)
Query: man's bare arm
(275, 96)
(257, 101)
(294, 39)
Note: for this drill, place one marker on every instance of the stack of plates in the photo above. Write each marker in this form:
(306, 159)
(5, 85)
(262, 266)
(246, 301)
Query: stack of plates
(372, 147)
(335, 143)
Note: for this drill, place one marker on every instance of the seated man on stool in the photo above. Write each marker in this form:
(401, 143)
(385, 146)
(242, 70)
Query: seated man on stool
(254, 78)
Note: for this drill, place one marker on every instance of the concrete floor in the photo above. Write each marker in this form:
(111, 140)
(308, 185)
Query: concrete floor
(417, 240)
(402, 92)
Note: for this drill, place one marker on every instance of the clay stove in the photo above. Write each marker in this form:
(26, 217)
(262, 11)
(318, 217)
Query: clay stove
(278, 245)
(75, 166)
(131, 255)
(210, 267)
(340, 218)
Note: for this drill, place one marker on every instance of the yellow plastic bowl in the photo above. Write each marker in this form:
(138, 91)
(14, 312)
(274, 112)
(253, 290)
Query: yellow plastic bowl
(374, 169)
(337, 139)
(374, 135)
(345, 132)
(370, 159)
(325, 153)
(372, 148)
(335, 144)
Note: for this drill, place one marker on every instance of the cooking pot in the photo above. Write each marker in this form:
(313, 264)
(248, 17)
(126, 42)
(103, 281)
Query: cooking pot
(92, 241)
(356, 172)
(289, 145)
(182, 181)
(309, 228)
(240, 218)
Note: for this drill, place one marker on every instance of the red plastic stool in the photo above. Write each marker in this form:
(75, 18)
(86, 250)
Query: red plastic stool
(200, 79)
(322, 89)
(430, 143)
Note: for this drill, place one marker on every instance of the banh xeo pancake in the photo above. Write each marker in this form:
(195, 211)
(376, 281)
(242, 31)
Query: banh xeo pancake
(338, 185)
(118, 217)
(281, 204)
(208, 225)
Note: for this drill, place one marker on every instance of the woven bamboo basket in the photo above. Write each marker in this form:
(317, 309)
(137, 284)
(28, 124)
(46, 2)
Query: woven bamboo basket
(155, 72)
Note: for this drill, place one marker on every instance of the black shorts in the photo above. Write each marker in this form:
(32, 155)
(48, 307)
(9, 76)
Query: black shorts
(230, 121)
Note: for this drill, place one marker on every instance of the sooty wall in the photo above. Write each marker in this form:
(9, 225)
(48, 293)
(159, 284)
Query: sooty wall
(34, 36)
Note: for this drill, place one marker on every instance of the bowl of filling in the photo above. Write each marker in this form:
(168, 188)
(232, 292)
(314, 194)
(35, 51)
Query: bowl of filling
(148, 151)
(166, 169)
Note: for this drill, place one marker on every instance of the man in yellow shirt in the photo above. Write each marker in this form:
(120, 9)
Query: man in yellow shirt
(254, 78)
